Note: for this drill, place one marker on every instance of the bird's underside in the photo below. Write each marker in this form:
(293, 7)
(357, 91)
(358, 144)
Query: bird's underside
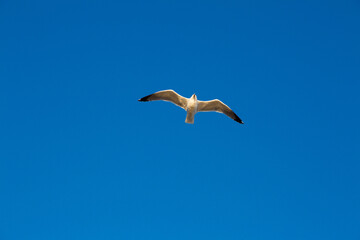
(192, 105)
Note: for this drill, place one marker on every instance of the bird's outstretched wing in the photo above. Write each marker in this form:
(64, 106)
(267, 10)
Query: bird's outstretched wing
(218, 106)
(167, 95)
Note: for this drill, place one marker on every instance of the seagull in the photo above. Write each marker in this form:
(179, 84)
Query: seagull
(192, 105)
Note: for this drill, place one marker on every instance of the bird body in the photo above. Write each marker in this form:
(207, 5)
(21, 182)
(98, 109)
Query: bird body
(191, 109)
(192, 105)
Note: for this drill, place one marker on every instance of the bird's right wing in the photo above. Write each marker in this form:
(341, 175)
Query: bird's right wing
(218, 106)
(167, 95)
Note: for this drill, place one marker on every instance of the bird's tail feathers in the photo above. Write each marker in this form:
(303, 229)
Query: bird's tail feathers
(189, 118)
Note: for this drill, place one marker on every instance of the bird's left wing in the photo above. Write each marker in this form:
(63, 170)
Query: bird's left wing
(218, 106)
(167, 95)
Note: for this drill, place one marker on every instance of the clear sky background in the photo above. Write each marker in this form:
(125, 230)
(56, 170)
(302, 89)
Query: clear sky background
(80, 158)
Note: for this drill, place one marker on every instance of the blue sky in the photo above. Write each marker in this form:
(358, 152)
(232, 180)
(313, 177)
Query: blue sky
(80, 158)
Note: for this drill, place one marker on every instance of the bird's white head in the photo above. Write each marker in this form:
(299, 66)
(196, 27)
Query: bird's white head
(194, 97)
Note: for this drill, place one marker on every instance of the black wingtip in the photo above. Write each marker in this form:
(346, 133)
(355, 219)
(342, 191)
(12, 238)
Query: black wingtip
(237, 119)
(144, 99)
(241, 122)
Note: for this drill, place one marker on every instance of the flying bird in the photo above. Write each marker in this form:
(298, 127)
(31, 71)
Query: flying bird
(192, 105)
